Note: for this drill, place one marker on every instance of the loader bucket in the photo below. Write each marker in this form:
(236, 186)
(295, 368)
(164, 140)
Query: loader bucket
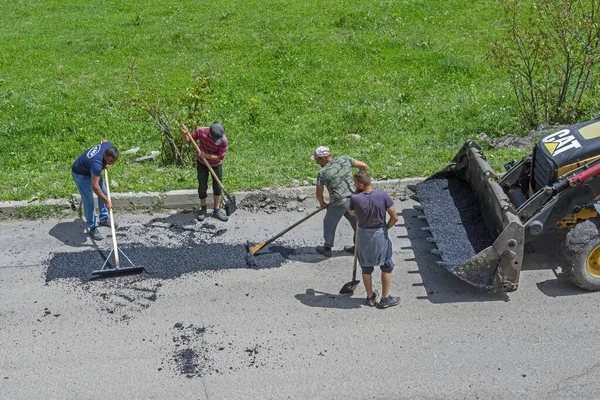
(478, 235)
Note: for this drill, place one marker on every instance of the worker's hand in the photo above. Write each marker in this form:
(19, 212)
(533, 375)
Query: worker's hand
(323, 205)
(109, 205)
(184, 129)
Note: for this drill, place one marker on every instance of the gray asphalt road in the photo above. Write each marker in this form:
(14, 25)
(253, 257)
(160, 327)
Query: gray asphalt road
(282, 332)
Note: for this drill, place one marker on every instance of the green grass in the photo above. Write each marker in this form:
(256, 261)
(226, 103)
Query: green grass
(37, 212)
(410, 77)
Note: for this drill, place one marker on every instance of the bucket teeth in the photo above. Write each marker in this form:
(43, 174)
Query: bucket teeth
(422, 217)
(412, 188)
(414, 197)
(442, 264)
(431, 240)
(437, 252)
(418, 207)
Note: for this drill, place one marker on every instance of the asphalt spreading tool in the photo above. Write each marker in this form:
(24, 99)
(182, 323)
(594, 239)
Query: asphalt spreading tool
(349, 287)
(116, 270)
(230, 201)
(253, 249)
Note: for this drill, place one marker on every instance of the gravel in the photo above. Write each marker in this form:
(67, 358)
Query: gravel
(168, 262)
(270, 202)
(455, 219)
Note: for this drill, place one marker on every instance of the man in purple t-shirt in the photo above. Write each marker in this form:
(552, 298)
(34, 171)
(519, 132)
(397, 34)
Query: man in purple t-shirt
(374, 246)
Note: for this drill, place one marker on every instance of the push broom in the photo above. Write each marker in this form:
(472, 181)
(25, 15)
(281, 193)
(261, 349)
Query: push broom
(117, 270)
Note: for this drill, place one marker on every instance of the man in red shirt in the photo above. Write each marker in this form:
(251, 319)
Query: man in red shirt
(214, 144)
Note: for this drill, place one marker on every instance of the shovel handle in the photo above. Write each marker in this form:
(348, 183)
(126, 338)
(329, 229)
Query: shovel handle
(112, 223)
(212, 171)
(355, 253)
(289, 228)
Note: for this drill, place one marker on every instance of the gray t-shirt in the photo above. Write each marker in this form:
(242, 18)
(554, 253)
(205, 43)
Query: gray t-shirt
(371, 208)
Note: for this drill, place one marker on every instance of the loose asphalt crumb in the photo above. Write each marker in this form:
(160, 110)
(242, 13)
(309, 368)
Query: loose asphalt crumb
(455, 219)
(190, 357)
(167, 262)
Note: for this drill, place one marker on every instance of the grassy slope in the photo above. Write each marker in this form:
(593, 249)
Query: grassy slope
(409, 76)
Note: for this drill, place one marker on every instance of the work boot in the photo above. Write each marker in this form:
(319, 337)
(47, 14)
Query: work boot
(389, 301)
(220, 215)
(372, 301)
(202, 214)
(95, 234)
(106, 223)
(326, 251)
(349, 249)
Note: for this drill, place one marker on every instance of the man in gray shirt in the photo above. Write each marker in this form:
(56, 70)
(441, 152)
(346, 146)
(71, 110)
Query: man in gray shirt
(336, 175)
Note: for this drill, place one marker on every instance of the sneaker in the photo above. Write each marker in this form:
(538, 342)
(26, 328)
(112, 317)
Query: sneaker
(326, 251)
(372, 301)
(95, 234)
(106, 223)
(220, 215)
(349, 249)
(389, 301)
(202, 215)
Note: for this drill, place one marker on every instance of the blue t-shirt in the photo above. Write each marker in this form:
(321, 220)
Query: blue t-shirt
(371, 208)
(91, 161)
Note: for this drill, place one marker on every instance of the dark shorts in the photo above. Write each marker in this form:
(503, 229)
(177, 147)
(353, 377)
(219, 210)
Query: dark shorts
(387, 266)
(203, 174)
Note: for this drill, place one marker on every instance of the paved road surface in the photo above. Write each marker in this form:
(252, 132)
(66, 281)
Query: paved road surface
(283, 332)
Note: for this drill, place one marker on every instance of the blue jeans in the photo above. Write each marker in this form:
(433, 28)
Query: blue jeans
(84, 184)
(332, 218)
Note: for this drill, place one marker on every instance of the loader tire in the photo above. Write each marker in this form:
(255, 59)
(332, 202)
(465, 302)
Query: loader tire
(580, 255)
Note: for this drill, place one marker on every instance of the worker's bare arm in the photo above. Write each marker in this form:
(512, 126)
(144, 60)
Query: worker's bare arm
(319, 195)
(360, 165)
(393, 217)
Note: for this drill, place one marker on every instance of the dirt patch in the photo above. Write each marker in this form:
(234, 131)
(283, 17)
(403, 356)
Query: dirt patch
(523, 142)
(271, 201)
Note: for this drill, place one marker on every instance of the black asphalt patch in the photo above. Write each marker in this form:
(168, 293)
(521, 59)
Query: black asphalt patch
(455, 219)
(167, 262)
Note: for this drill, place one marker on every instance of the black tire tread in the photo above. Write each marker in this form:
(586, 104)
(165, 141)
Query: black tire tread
(571, 254)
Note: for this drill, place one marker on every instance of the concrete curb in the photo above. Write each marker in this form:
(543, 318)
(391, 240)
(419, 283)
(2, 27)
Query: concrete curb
(175, 199)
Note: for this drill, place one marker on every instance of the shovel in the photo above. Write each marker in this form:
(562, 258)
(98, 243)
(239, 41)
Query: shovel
(349, 287)
(230, 202)
(257, 247)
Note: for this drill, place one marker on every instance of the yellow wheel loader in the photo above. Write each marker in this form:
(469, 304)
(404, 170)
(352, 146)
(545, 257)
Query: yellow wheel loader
(480, 220)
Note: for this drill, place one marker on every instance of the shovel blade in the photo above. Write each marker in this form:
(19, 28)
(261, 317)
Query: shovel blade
(230, 205)
(349, 287)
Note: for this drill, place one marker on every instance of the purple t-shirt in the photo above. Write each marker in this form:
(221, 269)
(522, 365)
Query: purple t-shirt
(371, 208)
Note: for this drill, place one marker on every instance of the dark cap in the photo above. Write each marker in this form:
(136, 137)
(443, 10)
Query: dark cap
(216, 132)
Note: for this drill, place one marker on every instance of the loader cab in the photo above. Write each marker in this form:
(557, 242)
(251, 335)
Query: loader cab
(563, 151)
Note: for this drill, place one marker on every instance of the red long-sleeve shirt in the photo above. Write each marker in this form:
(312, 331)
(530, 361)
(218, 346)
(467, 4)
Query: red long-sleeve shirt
(206, 144)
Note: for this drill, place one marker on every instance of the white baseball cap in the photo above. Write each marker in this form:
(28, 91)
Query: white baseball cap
(321, 151)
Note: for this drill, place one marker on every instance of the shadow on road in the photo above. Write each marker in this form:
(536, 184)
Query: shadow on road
(314, 298)
(185, 221)
(302, 254)
(440, 286)
(74, 233)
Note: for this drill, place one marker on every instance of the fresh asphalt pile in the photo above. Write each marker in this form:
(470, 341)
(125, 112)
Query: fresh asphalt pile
(455, 219)
(168, 262)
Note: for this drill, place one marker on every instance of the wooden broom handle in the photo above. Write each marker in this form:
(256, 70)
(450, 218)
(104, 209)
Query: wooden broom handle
(112, 223)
